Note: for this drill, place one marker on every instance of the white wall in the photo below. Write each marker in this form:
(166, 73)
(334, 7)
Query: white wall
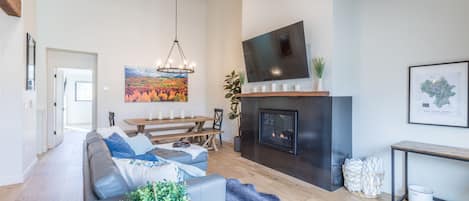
(17, 119)
(122, 33)
(393, 36)
(262, 16)
(77, 112)
(369, 45)
(224, 54)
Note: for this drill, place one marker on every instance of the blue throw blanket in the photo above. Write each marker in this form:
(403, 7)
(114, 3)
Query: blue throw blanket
(236, 191)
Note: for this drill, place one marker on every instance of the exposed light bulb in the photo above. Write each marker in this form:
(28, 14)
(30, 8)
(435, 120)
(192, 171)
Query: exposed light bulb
(170, 61)
(158, 62)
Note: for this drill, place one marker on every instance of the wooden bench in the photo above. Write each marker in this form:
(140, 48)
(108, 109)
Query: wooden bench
(132, 133)
(210, 142)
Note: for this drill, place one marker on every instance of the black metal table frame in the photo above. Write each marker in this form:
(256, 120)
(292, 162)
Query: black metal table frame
(406, 167)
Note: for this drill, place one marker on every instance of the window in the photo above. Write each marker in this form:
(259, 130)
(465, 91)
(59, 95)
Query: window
(83, 91)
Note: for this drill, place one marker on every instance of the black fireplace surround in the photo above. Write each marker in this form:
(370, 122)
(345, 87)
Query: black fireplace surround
(306, 137)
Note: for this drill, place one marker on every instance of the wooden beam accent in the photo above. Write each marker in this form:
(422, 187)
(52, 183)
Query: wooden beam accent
(281, 94)
(11, 7)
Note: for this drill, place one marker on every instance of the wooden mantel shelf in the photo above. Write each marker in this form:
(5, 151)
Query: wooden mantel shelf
(286, 94)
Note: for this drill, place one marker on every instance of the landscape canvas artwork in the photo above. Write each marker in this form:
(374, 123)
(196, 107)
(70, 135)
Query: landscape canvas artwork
(148, 85)
(438, 94)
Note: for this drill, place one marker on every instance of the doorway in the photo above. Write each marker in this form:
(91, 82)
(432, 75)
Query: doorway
(71, 94)
(77, 99)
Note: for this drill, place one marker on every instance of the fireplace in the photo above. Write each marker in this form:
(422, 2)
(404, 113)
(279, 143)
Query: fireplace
(278, 129)
(319, 145)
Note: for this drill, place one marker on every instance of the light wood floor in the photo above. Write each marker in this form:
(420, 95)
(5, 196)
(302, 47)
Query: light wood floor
(58, 177)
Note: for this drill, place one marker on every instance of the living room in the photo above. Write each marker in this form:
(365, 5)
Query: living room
(370, 51)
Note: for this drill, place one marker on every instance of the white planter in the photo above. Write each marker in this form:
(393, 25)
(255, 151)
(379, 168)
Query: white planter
(352, 170)
(420, 193)
(319, 85)
(245, 89)
(372, 177)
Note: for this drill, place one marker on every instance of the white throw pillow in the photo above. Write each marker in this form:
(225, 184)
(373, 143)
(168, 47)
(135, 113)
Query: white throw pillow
(106, 132)
(137, 173)
(139, 143)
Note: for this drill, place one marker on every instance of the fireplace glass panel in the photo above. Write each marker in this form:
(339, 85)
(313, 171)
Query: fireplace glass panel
(278, 129)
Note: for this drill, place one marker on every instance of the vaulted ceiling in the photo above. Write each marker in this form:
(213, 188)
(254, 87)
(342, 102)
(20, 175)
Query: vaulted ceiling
(11, 7)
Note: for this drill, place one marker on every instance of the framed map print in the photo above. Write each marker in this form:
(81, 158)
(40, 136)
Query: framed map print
(438, 94)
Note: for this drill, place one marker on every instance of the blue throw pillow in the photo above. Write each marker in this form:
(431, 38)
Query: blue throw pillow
(121, 149)
(118, 146)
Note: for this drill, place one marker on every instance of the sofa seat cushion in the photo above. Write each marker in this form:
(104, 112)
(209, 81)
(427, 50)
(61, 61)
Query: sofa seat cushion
(201, 165)
(180, 156)
(106, 179)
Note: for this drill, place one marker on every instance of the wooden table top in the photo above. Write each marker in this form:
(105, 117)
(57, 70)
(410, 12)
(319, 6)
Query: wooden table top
(176, 120)
(434, 150)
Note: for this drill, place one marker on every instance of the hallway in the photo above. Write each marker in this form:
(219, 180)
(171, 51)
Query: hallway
(56, 177)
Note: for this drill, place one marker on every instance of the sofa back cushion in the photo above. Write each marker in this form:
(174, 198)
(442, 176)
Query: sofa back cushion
(97, 147)
(106, 179)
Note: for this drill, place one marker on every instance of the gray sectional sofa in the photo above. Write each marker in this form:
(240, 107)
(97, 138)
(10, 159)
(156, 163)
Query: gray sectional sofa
(102, 180)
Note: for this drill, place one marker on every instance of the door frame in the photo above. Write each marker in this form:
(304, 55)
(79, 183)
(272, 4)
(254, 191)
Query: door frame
(52, 67)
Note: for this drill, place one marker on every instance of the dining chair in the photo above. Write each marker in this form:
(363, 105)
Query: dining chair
(112, 119)
(218, 120)
(112, 122)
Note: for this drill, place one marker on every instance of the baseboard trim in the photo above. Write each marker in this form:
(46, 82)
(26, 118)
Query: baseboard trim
(10, 180)
(28, 171)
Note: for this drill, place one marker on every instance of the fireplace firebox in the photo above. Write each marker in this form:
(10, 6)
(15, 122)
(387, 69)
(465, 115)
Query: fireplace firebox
(278, 129)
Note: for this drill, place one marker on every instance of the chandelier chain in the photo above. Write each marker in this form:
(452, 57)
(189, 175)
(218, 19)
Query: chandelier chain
(176, 25)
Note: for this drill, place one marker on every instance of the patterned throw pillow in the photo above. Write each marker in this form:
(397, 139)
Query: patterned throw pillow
(137, 173)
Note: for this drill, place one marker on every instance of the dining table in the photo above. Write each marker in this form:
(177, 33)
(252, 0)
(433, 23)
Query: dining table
(142, 123)
(194, 127)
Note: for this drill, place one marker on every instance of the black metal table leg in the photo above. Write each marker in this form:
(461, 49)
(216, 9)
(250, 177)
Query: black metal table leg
(406, 168)
(392, 175)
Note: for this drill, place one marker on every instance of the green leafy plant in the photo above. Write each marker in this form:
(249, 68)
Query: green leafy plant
(160, 191)
(232, 87)
(319, 64)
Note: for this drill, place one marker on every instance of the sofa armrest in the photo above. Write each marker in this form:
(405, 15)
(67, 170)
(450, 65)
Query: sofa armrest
(208, 188)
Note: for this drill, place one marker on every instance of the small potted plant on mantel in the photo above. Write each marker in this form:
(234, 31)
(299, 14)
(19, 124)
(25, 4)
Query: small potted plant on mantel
(319, 65)
(232, 86)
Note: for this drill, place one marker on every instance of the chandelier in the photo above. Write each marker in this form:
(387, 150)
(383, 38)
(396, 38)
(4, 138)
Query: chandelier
(169, 65)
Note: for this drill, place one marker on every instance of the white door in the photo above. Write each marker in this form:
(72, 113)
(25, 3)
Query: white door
(59, 107)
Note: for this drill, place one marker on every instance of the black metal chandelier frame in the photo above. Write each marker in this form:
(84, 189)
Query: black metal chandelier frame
(168, 66)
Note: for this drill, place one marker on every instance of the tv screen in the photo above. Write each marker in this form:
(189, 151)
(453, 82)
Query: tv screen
(278, 55)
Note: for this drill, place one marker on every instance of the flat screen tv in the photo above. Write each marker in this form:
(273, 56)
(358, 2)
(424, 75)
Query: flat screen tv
(278, 55)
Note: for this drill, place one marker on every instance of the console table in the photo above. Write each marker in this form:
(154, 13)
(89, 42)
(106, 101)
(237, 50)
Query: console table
(425, 149)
